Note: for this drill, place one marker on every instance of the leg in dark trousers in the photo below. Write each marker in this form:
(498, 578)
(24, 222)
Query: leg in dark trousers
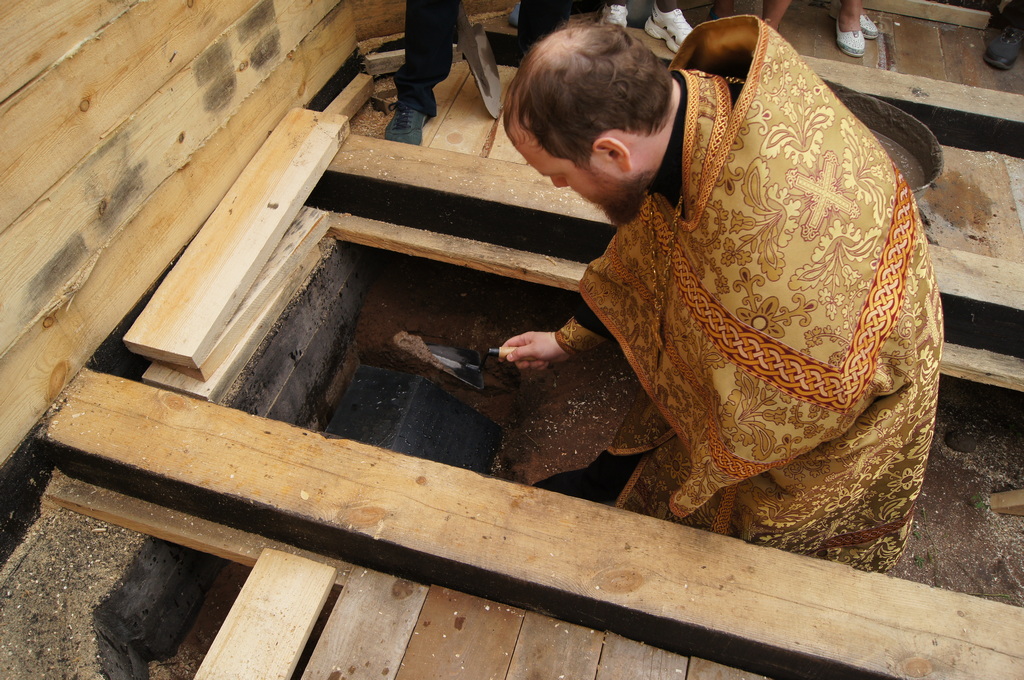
(429, 34)
(602, 481)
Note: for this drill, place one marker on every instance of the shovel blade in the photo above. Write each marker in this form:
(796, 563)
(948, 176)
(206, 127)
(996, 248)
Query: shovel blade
(464, 364)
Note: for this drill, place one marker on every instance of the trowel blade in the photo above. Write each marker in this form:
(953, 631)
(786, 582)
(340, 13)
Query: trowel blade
(464, 364)
(477, 50)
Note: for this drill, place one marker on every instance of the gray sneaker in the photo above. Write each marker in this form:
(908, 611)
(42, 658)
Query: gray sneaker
(406, 125)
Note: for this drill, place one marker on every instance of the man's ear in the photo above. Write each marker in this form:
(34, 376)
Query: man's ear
(610, 152)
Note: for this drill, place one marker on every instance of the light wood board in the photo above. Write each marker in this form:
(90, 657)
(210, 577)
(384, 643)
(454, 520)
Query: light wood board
(623, 659)
(221, 380)
(549, 648)
(187, 315)
(270, 621)
(681, 589)
(1008, 502)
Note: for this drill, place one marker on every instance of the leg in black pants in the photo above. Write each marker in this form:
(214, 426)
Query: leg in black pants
(602, 481)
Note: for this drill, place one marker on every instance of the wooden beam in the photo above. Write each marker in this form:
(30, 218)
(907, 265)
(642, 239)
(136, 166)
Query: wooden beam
(36, 368)
(272, 617)
(48, 253)
(1008, 502)
(982, 366)
(186, 317)
(220, 382)
(932, 11)
(352, 98)
(688, 591)
(169, 525)
(959, 115)
(485, 257)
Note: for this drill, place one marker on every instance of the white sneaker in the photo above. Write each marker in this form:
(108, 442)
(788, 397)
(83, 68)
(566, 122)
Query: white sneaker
(614, 14)
(671, 27)
(850, 42)
(868, 28)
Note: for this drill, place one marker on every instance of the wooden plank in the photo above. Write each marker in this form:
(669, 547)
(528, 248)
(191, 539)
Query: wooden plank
(516, 264)
(1008, 502)
(502, 148)
(298, 241)
(37, 367)
(466, 126)
(185, 318)
(459, 635)
(37, 33)
(176, 527)
(267, 627)
(449, 526)
(702, 669)
(916, 44)
(221, 381)
(623, 659)
(549, 648)
(970, 206)
(445, 93)
(369, 627)
(932, 11)
(352, 98)
(47, 254)
(986, 279)
(982, 366)
(56, 120)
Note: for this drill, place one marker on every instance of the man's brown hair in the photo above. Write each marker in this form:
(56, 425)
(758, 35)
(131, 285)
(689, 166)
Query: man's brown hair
(583, 80)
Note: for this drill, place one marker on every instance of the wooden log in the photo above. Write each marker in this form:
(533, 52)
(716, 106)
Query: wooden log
(516, 264)
(623, 659)
(369, 627)
(37, 367)
(270, 621)
(56, 120)
(688, 591)
(37, 33)
(459, 635)
(549, 648)
(46, 255)
(221, 381)
(185, 319)
(1008, 502)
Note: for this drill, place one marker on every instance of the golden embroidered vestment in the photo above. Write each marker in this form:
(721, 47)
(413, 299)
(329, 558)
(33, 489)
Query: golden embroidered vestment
(786, 330)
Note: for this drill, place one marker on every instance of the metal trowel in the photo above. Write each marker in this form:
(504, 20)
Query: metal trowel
(465, 364)
(474, 46)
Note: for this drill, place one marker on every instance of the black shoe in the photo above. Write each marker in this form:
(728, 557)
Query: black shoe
(406, 125)
(1002, 51)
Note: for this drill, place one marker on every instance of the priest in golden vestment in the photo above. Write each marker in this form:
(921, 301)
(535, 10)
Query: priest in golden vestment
(768, 282)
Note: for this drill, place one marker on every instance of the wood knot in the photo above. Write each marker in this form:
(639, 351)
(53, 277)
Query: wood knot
(916, 667)
(365, 516)
(619, 580)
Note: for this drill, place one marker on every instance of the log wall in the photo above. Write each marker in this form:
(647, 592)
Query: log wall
(125, 123)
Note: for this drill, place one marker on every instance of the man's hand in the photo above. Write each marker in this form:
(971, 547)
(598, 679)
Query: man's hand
(534, 350)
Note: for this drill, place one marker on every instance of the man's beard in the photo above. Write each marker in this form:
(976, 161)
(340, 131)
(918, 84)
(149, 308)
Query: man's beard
(621, 201)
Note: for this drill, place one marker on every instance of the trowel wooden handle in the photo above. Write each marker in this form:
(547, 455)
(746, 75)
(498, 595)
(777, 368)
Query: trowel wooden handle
(501, 352)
